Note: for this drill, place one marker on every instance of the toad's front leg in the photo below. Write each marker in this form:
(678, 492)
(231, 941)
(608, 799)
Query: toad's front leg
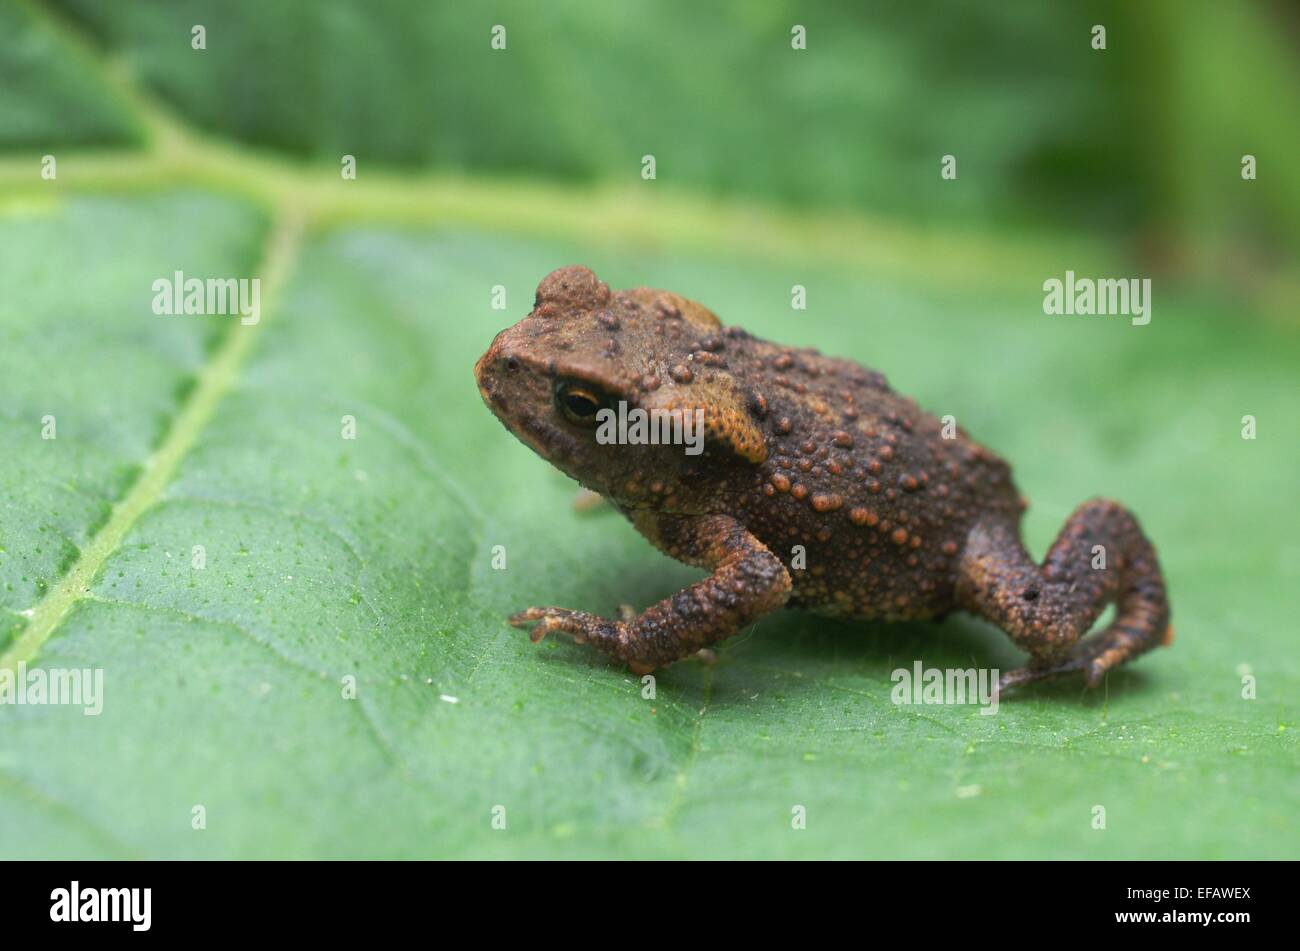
(747, 582)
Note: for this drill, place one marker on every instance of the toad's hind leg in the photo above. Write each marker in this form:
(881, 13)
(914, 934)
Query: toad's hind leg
(1100, 557)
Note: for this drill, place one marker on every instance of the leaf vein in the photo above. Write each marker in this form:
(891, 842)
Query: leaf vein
(216, 379)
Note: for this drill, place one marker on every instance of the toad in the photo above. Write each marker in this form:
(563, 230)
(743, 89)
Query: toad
(817, 487)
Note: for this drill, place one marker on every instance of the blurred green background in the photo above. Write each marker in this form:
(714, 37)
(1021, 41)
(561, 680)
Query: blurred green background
(481, 167)
(1141, 142)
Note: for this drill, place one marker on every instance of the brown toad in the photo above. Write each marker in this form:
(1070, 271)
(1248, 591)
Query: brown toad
(818, 486)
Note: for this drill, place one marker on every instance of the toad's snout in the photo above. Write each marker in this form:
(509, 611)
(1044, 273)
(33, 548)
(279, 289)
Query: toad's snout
(492, 368)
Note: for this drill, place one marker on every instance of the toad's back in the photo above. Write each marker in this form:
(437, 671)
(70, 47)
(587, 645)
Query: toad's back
(867, 494)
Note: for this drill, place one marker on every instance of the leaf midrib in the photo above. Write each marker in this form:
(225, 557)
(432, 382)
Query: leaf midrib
(219, 374)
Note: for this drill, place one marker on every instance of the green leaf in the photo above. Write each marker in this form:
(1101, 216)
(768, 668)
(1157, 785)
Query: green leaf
(331, 563)
(47, 97)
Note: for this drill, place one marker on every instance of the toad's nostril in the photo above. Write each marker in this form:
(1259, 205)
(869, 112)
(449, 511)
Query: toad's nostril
(511, 364)
(1030, 594)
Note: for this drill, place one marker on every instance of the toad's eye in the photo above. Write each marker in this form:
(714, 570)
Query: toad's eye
(579, 403)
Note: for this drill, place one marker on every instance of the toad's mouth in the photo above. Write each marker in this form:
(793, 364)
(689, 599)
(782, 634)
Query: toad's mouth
(549, 441)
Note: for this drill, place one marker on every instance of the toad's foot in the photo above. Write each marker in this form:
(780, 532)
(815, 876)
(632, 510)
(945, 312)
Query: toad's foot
(583, 626)
(1094, 658)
